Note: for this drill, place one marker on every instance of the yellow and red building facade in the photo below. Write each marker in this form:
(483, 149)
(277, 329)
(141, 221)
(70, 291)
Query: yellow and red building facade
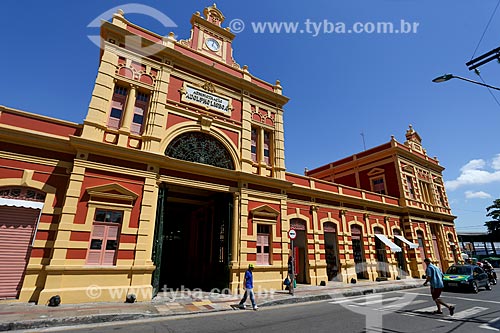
(176, 177)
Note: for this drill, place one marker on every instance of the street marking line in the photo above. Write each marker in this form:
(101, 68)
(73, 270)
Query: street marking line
(428, 309)
(445, 321)
(380, 301)
(468, 312)
(488, 327)
(424, 311)
(388, 307)
(352, 299)
(449, 296)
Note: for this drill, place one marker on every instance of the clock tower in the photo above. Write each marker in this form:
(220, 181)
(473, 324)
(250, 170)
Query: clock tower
(210, 38)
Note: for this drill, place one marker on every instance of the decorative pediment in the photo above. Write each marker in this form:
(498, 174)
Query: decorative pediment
(265, 212)
(111, 191)
(208, 86)
(409, 169)
(438, 180)
(375, 171)
(214, 15)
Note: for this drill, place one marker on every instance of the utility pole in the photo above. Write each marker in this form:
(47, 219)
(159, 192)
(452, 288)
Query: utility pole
(484, 59)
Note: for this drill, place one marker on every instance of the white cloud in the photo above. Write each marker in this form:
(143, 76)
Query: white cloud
(473, 165)
(474, 173)
(496, 162)
(477, 195)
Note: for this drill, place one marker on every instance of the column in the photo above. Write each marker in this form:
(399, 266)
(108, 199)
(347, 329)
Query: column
(128, 115)
(260, 152)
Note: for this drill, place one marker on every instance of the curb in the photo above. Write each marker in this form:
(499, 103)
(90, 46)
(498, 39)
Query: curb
(91, 319)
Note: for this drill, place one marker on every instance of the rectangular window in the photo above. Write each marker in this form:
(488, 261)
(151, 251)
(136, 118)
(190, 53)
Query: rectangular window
(104, 240)
(267, 147)
(119, 90)
(254, 144)
(411, 189)
(378, 185)
(117, 107)
(263, 249)
(426, 191)
(480, 248)
(140, 108)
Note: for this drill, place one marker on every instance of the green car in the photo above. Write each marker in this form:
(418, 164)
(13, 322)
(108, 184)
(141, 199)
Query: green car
(468, 277)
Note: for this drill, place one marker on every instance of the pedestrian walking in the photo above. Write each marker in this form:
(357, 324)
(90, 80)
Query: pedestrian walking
(248, 285)
(434, 276)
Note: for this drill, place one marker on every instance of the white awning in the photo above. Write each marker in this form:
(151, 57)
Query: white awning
(404, 240)
(20, 203)
(389, 243)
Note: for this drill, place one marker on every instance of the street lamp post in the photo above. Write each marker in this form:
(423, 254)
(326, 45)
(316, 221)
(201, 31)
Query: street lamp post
(448, 77)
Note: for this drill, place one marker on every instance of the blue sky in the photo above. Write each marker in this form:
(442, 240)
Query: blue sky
(340, 84)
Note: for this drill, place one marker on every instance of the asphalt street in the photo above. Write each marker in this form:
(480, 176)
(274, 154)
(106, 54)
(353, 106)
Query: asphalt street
(401, 311)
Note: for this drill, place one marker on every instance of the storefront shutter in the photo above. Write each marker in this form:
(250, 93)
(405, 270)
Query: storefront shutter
(17, 228)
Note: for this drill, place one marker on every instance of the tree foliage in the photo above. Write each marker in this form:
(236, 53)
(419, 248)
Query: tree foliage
(494, 213)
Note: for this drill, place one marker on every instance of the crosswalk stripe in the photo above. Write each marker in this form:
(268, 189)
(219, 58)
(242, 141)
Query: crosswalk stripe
(380, 301)
(468, 312)
(388, 307)
(488, 327)
(352, 299)
(427, 309)
(451, 297)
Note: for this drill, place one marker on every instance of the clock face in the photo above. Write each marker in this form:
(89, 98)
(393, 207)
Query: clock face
(212, 44)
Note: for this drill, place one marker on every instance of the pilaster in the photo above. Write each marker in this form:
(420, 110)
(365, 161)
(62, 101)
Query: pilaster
(246, 134)
(158, 113)
(96, 120)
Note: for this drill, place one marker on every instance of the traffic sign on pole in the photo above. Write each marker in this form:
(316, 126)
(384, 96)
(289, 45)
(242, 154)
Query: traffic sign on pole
(292, 233)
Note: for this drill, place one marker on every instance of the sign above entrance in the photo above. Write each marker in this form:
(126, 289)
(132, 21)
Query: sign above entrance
(292, 233)
(206, 99)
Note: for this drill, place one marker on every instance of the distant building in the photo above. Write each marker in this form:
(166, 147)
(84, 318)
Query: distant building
(479, 244)
(406, 172)
(176, 178)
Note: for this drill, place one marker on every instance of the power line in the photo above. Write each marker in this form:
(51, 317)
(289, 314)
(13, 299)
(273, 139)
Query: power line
(489, 90)
(485, 29)
(467, 210)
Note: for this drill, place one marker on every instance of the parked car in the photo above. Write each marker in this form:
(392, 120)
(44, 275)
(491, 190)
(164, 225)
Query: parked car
(467, 277)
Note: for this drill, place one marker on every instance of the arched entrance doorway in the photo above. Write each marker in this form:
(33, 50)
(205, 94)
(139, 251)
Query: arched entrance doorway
(381, 255)
(400, 256)
(300, 251)
(193, 245)
(20, 210)
(435, 245)
(358, 253)
(331, 250)
(193, 225)
(453, 248)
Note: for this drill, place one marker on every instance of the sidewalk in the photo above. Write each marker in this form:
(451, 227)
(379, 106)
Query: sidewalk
(19, 316)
